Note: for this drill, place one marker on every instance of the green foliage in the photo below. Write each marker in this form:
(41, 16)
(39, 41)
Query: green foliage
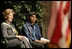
(22, 8)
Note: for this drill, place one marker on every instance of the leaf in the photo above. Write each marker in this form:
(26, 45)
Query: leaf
(22, 8)
(9, 2)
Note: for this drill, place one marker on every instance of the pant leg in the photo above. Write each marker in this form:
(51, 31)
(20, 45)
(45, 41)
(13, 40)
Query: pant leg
(14, 42)
(37, 45)
(22, 45)
(27, 43)
(46, 45)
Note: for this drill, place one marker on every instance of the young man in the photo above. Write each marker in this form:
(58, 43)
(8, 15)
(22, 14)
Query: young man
(32, 31)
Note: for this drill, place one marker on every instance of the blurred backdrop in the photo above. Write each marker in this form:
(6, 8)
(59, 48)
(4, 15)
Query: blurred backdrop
(53, 17)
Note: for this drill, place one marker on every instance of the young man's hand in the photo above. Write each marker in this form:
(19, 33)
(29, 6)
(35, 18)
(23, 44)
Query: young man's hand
(41, 41)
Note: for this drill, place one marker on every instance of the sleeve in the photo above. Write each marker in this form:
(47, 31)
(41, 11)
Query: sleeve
(4, 32)
(27, 33)
(38, 32)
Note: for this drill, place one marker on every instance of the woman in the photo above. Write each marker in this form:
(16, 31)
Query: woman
(10, 37)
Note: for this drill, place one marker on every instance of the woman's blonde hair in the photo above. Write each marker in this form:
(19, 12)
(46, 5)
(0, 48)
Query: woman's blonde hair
(7, 11)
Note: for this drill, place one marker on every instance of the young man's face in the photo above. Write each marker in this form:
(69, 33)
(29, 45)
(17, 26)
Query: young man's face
(32, 18)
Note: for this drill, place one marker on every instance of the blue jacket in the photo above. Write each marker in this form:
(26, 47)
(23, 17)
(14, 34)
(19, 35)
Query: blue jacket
(32, 32)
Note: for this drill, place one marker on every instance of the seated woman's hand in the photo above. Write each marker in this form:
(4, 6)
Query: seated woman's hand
(20, 37)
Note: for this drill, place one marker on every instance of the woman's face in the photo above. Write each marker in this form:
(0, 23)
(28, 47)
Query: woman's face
(9, 17)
